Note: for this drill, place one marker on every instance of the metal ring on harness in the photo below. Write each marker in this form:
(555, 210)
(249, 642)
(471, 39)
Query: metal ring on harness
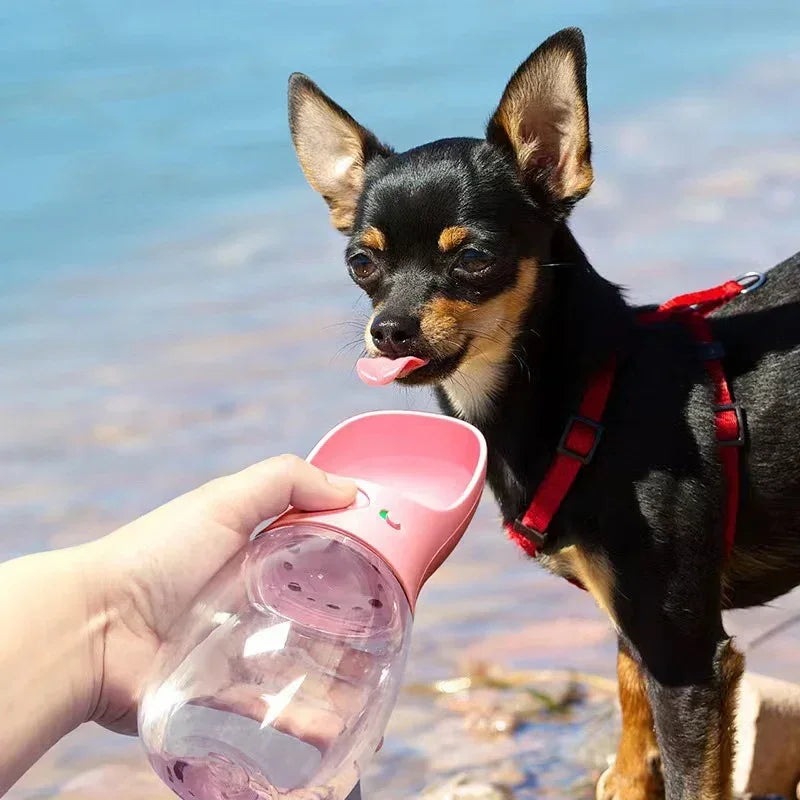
(751, 281)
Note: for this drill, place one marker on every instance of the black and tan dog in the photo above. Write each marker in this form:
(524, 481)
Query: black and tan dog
(463, 247)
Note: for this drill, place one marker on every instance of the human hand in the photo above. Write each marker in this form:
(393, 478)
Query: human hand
(142, 577)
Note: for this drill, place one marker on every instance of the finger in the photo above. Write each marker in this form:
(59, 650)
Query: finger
(245, 499)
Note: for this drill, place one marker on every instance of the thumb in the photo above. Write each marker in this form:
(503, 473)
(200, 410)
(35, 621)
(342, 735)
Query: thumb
(247, 498)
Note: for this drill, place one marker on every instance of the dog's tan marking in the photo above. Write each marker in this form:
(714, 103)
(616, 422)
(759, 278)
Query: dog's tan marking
(754, 564)
(373, 238)
(452, 237)
(717, 780)
(492, 327)
(636, 773)
(441, 322)
(592, 569)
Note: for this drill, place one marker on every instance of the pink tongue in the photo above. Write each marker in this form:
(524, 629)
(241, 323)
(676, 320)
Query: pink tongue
(382, 370)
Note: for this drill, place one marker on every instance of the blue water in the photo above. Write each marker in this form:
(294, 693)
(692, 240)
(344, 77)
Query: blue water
(125, 122)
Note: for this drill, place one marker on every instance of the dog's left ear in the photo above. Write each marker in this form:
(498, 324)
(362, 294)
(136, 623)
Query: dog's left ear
(543, 120)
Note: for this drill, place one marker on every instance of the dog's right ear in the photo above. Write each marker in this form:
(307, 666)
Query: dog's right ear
(332, 147)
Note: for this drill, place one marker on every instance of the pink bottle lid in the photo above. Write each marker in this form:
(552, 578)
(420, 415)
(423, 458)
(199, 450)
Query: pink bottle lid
(420, 477)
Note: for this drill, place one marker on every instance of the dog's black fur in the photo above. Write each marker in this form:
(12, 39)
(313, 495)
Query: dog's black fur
(646, 514)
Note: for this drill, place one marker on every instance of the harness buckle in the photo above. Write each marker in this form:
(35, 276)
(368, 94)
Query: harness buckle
(711, 351)
(737, 409)
(536, 537)
(751, 281)
(597, 432)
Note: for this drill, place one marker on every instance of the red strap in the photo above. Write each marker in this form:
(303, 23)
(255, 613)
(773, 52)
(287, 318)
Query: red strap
(728, 424)
(728, 421)
(583, 431)
(580, 439)
(701, 303)
(706, 301)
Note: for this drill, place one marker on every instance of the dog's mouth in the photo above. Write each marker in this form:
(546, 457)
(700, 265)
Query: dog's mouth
(408, 370)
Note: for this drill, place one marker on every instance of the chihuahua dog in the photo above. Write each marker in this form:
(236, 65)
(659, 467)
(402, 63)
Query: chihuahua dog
(480, 290)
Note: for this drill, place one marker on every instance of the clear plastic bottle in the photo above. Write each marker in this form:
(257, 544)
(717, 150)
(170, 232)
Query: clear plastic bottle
(279, 681)
(290, 686)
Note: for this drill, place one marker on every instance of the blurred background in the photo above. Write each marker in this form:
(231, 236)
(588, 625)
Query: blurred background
(173, 304)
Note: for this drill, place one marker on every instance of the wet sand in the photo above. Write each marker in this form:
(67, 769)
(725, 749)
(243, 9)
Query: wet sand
(200, 355)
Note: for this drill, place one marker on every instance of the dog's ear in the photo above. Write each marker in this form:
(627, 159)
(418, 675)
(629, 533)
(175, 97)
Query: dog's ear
(543, 120)
(332, 147)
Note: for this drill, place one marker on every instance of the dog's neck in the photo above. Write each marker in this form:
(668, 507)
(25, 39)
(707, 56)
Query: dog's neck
(575, 322)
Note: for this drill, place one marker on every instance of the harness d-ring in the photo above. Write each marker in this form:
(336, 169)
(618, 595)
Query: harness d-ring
(751, 281)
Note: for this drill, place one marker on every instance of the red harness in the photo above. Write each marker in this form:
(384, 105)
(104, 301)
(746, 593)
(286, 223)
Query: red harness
(583, 431)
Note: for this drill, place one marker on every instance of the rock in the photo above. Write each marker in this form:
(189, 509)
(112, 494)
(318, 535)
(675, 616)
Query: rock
(463, 788)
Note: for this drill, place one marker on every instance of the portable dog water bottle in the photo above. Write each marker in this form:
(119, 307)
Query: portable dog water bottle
(280, 679)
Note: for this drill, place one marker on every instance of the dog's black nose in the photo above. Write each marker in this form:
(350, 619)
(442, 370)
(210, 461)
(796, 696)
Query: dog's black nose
(394, 334)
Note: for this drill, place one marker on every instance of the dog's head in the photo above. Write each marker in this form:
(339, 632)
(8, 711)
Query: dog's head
(447, 238)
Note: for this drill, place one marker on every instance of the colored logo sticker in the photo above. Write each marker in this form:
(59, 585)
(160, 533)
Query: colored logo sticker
(384, 514)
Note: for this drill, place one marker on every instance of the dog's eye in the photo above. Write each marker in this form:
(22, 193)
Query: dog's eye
(362, 266)
(472, 260)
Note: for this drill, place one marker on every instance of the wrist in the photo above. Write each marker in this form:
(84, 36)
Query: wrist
(47, 677)
(62, 600)
(90, 609)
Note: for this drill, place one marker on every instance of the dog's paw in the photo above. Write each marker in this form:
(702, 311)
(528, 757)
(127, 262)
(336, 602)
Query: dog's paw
(646, 783)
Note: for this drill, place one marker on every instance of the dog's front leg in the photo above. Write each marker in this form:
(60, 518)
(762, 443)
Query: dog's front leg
(636, 773)
(693, 707)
